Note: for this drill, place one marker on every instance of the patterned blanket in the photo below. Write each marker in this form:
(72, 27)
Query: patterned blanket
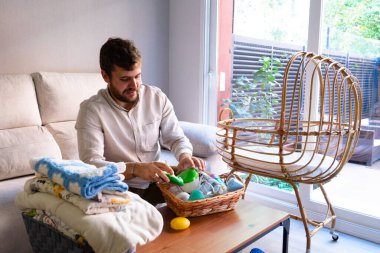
(81, 178)
(108, 202)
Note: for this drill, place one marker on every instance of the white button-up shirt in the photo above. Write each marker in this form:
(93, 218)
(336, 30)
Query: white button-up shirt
(109, 133)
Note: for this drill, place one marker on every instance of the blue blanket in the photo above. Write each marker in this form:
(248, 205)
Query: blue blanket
(80, 178)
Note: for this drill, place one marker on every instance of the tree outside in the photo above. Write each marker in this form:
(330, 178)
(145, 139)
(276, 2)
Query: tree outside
(352, 26)
(348, 25)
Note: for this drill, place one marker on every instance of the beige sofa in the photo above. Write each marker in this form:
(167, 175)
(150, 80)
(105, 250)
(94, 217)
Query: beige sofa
(37, 118)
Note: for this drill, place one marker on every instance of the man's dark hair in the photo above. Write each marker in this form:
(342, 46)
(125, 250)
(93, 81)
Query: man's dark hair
(120, 52)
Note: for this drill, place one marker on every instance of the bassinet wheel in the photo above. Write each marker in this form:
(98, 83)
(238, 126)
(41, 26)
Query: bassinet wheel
(335, 236)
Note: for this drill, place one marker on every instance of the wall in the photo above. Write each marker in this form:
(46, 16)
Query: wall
(65, 36)
(186, 58)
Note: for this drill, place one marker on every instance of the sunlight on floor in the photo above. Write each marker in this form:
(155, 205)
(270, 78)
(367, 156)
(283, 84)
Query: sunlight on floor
(355, 188)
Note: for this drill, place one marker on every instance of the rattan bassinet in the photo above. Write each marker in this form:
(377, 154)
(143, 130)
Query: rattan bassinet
(311, 140)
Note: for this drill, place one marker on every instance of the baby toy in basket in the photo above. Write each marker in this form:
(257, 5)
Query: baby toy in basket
(193, 185)
(202, 193)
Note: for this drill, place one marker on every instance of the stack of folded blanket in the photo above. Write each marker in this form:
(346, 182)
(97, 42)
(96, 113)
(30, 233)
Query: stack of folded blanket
(89, 203)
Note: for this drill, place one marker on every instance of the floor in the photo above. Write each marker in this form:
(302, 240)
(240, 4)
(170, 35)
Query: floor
(321, 242)
(355, 188)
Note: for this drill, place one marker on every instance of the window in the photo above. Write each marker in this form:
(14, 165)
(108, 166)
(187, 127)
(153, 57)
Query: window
(253, 31)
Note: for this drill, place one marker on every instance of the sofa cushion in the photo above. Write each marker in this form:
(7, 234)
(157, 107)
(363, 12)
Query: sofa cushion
(202, 137)
(18, 102)
(168, 157)
(18, 145)
(65, 135)
(60, 94)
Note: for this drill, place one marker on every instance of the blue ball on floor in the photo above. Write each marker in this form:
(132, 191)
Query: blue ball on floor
(256, 250)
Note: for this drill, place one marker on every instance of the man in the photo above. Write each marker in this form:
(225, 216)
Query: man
(125, 122)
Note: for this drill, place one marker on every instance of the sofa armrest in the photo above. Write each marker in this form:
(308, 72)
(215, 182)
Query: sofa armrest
(202, 137)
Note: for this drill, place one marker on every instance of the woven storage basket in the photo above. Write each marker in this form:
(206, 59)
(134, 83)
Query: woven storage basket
(44, 238)
(217, 204)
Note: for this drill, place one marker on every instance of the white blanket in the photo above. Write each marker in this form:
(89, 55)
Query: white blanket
(108, 202)
(113, 232)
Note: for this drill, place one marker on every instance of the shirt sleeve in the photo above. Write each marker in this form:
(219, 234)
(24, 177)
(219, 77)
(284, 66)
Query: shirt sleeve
(90, 136)
(172, 135)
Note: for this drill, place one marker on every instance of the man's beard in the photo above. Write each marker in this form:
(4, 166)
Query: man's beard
(124, 98)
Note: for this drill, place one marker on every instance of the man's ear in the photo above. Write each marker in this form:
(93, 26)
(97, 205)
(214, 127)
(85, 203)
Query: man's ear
(105, 76)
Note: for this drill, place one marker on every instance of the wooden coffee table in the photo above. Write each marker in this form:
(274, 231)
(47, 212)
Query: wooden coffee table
(229, 231)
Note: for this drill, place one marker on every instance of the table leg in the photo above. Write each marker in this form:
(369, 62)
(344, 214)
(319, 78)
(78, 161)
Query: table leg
(285, 236)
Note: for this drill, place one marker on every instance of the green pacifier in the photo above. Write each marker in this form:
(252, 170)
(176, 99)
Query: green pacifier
(189, 175)
(190, 178)
(174, 179)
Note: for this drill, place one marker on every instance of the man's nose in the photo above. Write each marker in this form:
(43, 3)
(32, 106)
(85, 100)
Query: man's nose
(134, 83)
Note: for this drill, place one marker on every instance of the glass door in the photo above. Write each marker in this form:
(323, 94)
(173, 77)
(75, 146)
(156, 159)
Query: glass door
(351, 35)
(258, 46)
(258, 37)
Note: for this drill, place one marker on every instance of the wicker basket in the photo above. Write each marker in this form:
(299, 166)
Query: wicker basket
(219, 203)
(44, 238)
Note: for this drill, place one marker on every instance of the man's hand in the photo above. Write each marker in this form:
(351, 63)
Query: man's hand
(154, 171)
(187, 161)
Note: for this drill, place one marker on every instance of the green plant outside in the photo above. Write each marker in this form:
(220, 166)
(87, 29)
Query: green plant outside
(272, 182)
(258, 105)
(247, 104)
